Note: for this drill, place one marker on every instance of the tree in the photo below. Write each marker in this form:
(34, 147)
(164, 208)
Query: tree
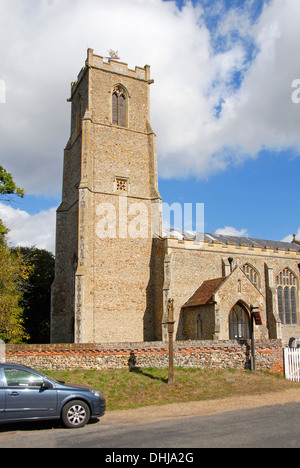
(8, 186)
(14, 273)
(36, 300)
(3, 231)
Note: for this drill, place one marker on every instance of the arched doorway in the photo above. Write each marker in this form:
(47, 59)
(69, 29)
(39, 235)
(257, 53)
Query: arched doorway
(239, 322)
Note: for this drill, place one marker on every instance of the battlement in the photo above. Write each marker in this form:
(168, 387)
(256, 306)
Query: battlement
(112, 66)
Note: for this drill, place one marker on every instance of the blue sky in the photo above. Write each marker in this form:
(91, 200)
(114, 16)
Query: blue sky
(259, 196)
(232, 139)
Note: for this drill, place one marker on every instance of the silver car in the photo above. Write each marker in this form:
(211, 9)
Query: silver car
(26, 394)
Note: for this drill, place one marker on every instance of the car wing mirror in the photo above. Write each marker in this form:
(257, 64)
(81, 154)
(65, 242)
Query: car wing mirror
(46, 384)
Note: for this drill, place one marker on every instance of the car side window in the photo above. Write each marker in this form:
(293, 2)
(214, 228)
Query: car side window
(21, 378)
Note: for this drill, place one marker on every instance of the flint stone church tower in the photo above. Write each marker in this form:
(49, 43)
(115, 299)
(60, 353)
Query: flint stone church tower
(104, 288)
(115, 271)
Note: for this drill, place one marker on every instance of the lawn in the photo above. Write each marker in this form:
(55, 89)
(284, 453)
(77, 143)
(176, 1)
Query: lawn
(128, 389)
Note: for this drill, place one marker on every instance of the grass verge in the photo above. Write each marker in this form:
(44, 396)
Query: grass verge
(123, 388)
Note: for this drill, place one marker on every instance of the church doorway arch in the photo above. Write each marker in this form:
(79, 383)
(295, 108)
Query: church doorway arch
(239, 322)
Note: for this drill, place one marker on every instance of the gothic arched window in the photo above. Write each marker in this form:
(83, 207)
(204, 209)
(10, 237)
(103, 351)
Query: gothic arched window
(239, 322)
(119, 106)
(252, 274)
(287, 297)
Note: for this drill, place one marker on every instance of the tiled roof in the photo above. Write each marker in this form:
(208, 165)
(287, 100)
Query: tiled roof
(204, 294)
(233, 240)
(252, 242)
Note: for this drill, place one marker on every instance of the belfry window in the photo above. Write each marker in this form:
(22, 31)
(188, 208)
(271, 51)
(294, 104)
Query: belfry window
(119, 106)
(287, 297)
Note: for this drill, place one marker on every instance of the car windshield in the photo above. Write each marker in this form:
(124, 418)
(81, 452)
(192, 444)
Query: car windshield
(61, 382)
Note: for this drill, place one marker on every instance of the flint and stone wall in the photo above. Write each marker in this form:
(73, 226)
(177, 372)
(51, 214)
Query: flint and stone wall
(202, 354)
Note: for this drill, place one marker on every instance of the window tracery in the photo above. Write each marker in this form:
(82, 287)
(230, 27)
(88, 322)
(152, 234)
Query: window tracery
(287, 297)
(252, 274)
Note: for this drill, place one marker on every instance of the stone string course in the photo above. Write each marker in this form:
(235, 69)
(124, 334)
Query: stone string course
(201, 354)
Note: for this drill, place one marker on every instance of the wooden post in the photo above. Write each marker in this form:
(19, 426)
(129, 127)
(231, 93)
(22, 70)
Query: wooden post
(170, 323)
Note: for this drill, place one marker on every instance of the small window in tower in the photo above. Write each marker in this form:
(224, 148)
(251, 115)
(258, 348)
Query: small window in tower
(121, 184)
(119, 106)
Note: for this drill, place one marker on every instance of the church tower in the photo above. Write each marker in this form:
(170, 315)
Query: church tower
(110, 217)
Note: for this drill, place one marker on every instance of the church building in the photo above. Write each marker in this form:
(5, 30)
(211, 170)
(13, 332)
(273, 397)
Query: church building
(116, 269)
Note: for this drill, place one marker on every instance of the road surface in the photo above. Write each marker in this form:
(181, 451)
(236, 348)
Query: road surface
(254, 423)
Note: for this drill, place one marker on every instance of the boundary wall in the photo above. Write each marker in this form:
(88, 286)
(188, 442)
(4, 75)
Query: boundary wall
(201, 354)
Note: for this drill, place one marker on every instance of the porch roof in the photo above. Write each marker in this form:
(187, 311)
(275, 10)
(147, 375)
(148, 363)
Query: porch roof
(204, 294)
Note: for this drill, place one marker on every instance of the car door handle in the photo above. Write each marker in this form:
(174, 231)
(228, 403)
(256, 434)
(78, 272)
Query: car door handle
(14, 393)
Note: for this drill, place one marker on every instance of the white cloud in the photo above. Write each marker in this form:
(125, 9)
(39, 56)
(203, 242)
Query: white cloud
(27, 230)
(231, 231)
(45, 47)
(290, 237)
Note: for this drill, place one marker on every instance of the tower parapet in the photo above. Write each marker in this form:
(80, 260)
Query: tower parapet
(112, 66)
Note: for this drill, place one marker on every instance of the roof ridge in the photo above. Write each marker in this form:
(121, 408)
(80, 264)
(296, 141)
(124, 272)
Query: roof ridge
(224, 238)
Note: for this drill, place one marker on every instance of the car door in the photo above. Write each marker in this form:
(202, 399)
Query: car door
(24, 396)
(2, 396)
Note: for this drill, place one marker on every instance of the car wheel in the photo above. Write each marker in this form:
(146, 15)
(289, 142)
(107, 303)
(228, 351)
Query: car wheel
(75, 414)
